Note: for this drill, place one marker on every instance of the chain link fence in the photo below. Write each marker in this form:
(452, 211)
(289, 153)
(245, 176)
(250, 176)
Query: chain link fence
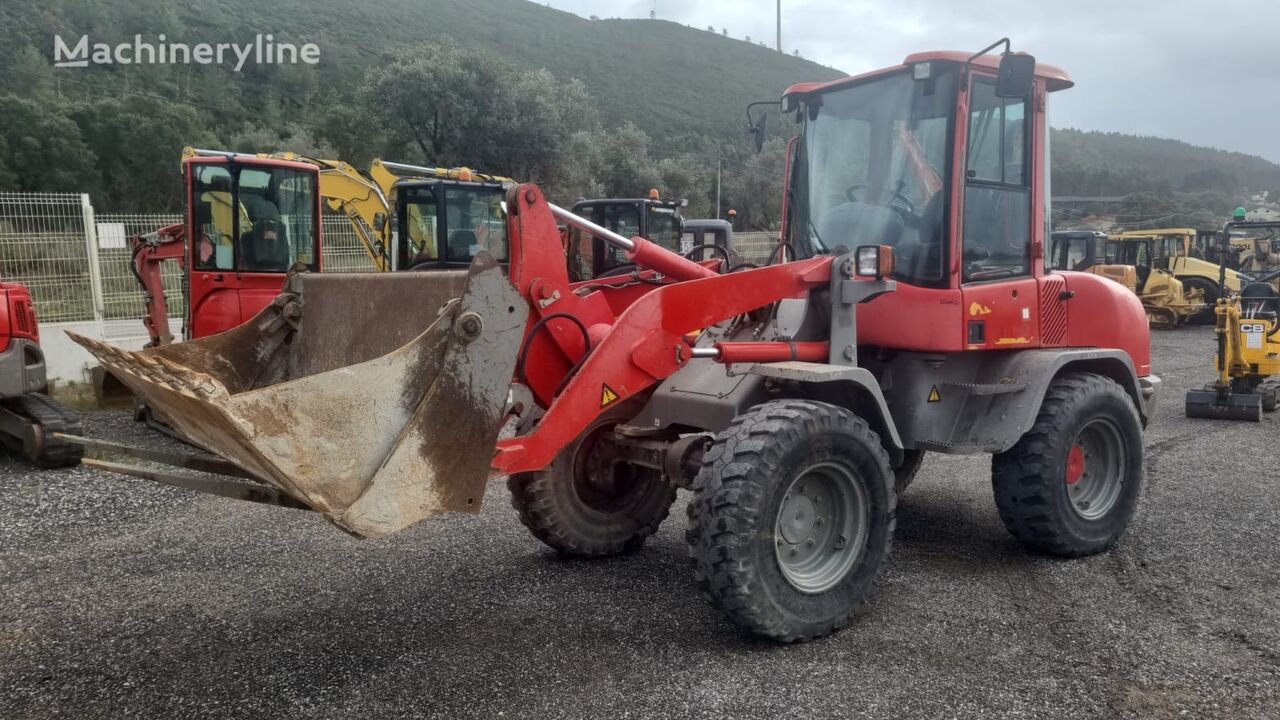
(43, 244)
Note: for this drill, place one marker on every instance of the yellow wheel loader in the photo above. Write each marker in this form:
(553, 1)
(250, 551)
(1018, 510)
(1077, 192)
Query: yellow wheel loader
(1167, 301)
(1247, 327)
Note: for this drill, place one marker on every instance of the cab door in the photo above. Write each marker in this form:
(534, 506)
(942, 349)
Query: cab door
(247, 224)
(999, 287)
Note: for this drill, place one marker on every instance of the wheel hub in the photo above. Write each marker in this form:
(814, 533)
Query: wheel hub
(1097, 464)
(1075, 464)
(821, 528)
(798, 520)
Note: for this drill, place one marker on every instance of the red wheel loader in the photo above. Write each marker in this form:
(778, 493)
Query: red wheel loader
(796, 401)
(29, 418)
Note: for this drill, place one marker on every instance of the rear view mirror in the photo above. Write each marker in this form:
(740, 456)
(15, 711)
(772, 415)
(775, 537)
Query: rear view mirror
(1015, 75)
(757, 131)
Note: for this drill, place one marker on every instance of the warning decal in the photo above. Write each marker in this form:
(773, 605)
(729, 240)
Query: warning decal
(607, 395)
(933, 394)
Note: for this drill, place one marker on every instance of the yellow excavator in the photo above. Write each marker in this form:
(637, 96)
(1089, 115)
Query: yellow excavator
(1247, 327)
(1167, 301)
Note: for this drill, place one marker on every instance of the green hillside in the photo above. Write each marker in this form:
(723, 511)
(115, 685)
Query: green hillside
(670, 79)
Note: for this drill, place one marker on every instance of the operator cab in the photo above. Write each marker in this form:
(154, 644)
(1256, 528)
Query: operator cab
(442, 224)
(1076, 250)
(651, 218)
(704, 234)
(273, 226)
(249, 220)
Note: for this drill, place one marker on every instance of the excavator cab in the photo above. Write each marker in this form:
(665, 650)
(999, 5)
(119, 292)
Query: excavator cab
(249, 220)
(443, 224)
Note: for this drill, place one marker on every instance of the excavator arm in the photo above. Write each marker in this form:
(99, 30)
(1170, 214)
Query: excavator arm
(149, 252)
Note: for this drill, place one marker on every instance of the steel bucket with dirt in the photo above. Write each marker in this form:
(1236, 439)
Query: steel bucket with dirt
(348, 393)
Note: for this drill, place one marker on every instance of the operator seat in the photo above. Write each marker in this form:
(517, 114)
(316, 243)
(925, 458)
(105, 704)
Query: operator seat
(1260, 300)
(460, 244)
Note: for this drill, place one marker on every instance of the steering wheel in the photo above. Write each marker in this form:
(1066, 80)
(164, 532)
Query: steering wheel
(424, 265)
(898, 202)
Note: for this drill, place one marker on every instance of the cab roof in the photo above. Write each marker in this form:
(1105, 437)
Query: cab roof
(1055, 78)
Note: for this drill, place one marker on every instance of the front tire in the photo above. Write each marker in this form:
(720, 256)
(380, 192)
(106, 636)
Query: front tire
(586, 505)
(793, 519)
(1071, 483)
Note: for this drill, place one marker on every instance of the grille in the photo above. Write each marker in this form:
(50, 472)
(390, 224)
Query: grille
(1053, 310)
(23, 317)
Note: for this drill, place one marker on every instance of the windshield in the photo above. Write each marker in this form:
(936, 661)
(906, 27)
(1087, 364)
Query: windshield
(871, 168)
(663, 227)
(272, 228)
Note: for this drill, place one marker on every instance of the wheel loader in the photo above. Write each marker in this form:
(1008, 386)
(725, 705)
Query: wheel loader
(1166, 301)
(1248, 346)
(30, 420)
(914, 314)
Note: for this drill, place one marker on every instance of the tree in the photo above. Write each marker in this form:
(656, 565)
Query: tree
(450, 106)
(43, 149)
(137, 144)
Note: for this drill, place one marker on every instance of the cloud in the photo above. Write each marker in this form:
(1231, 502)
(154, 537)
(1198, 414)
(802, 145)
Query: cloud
(1205, 73)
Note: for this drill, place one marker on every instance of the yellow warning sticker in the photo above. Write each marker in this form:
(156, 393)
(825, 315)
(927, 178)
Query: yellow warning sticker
(934, 396)
(607, 395)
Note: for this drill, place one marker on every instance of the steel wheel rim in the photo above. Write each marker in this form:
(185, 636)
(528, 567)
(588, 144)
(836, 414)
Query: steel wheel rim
(1097, 462)
(821, 528)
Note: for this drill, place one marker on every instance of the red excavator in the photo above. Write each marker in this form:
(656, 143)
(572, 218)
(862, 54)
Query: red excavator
(914, 314)
(29, 418)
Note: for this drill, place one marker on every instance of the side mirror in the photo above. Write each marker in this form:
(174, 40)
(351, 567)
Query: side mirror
(757, 131)
(1015, 75)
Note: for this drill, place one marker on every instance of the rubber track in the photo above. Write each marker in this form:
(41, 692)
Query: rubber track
(53, 417)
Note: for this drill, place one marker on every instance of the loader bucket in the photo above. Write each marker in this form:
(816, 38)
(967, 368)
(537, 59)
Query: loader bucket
(1214, 405)
(372, 398)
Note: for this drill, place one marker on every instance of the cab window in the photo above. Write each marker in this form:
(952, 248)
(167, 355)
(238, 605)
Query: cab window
(253, 219)
(419, 227)
(475, 222)
(997, 201)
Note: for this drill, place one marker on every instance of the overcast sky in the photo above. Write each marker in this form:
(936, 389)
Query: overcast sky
(1181, 68)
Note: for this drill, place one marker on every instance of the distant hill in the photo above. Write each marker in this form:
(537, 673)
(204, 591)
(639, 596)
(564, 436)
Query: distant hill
(1100, 163)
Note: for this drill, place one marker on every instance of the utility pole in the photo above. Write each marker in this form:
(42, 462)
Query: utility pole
(779, 25)
(717, 181)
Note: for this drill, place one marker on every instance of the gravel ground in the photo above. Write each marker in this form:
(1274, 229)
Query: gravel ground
(125, 599)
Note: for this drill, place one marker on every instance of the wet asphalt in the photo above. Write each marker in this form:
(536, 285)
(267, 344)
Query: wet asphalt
(120, 598)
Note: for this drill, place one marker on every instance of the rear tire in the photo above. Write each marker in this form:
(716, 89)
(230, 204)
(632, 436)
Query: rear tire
(1071, 483)
(585, 506)
(793, 519)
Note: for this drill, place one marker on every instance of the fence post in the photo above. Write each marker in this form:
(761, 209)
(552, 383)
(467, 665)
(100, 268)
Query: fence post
(95, 268)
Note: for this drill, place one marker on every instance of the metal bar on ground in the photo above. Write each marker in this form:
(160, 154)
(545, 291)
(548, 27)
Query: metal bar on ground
(212, 486)
(190, 461)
